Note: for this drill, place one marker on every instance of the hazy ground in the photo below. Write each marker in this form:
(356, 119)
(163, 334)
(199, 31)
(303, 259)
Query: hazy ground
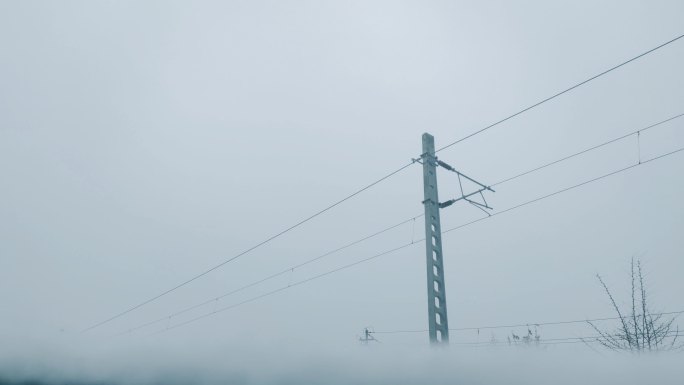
(378, 364)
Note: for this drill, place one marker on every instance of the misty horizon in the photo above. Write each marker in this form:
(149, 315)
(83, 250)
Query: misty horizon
(236, 192)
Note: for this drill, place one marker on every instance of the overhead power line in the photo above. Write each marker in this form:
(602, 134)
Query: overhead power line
(560, 93)
(357, 192)
(292, 285)
(381, 231)
(549, 340)
(415, 242)
(280, 273)
(303, 221)
(528, 324)
(564, 190)
(636, 132)
(545, 341)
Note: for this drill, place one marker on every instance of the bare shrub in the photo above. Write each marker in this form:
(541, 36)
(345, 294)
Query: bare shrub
(639, 330)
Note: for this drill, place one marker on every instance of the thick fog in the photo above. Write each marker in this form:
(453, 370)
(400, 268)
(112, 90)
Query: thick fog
(145, 142)
(374, 365)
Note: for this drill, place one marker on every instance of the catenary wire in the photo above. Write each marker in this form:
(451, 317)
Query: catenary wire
(559, 93)
(331, 252)
(579, 339)
(636, 132)
(510, 326)
(564, 190)
(544, 341)
(285, 271)
(178, 286)
(412, 243)
(186, 282)
(292, 285)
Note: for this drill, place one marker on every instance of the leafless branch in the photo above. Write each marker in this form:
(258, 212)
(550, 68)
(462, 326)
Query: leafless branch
(641, 330)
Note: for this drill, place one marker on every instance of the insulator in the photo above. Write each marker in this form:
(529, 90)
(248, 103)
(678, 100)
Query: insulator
(439, 162)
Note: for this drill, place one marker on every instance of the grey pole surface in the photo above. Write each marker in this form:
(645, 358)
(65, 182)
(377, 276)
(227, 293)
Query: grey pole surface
(437, 307)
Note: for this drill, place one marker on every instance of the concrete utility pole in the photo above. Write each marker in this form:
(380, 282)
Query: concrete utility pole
(437, 307)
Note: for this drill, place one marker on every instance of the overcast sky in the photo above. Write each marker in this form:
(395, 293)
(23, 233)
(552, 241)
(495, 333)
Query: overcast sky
(142, 143)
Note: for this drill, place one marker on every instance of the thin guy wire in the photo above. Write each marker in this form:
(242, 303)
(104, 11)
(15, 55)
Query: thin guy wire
(639, 144)
(409, 244)
(560, 93)
(248, 250)
(589, 149)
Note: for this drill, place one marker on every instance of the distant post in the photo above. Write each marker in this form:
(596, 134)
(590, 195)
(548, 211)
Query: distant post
(437, 307)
